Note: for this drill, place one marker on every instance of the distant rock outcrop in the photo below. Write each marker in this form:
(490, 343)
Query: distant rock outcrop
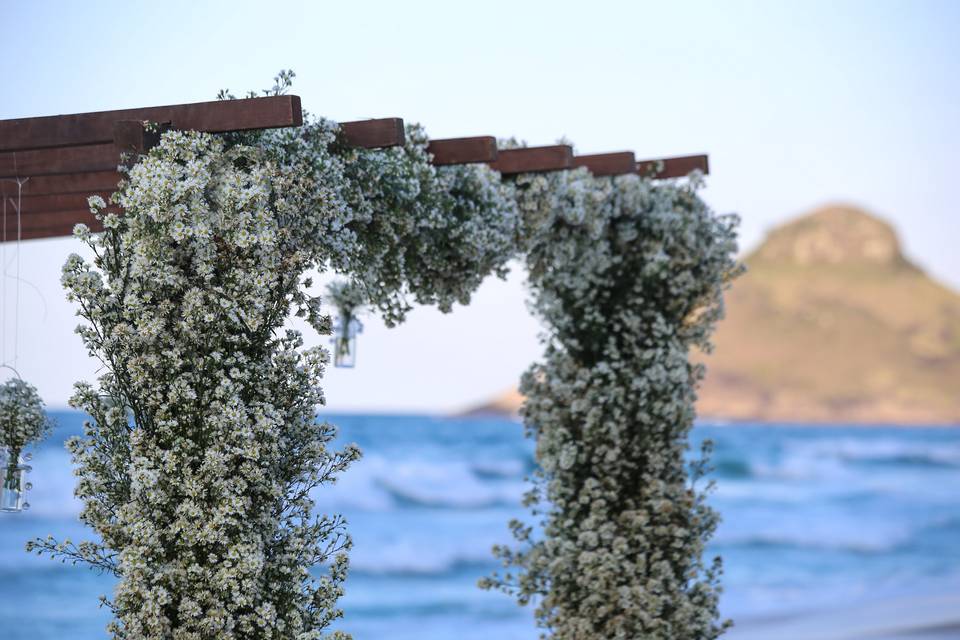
(506, 404)
(832, 323)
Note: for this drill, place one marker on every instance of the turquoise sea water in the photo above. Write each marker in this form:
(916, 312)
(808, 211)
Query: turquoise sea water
(815, 518)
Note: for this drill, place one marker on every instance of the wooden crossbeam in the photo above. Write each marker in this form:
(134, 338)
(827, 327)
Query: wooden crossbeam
(66, 183)
(607, 164)
(98, 127)
(533, 159)
(463, 150)
(374, 134)
(62, 199)
(61, 160)
(40, 162)
(52, 202)
(85, 142)
(52, 223)
(45, 220)
(673, 167)
(62, 228)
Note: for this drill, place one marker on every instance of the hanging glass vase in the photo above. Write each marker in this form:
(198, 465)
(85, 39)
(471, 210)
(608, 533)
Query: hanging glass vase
(345, 333)
(13, 474)
(22, 422)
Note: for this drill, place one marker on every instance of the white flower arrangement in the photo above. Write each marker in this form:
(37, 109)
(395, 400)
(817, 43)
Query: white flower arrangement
(22, 418)
(197, 468)
(403, 230)
(22, 422)
(627, 275)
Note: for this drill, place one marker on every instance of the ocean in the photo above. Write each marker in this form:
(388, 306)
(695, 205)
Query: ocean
(816, 520)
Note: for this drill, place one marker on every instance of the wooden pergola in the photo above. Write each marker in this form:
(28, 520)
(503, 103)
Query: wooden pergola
(50, 165)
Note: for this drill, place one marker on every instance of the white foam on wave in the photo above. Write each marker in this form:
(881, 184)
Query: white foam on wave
(427, 556)
(881, 450)
(376, 483)
(823, 528)
(505, 468)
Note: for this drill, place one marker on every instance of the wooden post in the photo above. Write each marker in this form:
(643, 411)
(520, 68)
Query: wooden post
(133, 138)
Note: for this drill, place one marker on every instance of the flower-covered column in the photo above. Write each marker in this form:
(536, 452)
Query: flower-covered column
(197, 469)
(627, 277)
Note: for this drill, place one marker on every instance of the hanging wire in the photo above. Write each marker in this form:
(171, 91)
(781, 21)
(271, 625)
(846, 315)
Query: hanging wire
(6, 275)
(3, 282)
(15, 372)
(16, 304)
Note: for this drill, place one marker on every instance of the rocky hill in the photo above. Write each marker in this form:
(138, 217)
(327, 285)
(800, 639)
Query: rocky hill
(832, 323)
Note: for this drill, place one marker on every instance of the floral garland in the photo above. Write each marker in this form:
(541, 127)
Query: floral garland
(404, 230)
(432, 234)
(627, 276)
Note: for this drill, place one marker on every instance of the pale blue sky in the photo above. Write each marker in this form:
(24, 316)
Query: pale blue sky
(797, 104)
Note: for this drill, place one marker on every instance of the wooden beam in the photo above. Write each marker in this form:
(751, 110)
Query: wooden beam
(533, 159)
(50, 224)
(44, 162)
(607, 164)
(374, 134)
(82, 183)
(32, 221)
(54, 230)
(463, 150)
(97, 127)
(54, 202)
(673, 167)
(62, 156)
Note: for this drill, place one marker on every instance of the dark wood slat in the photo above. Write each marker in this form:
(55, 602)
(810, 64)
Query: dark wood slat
(37, 234)
(673, 167)
(51, 224)
(533, 159)
(54, 218)
(607, 164)
(97, 127)
(463, 150)
(83, 183)
(52, 180)
(56, 202)
(44, 162)
(58, 230)
(129, 137)
(374, 134)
